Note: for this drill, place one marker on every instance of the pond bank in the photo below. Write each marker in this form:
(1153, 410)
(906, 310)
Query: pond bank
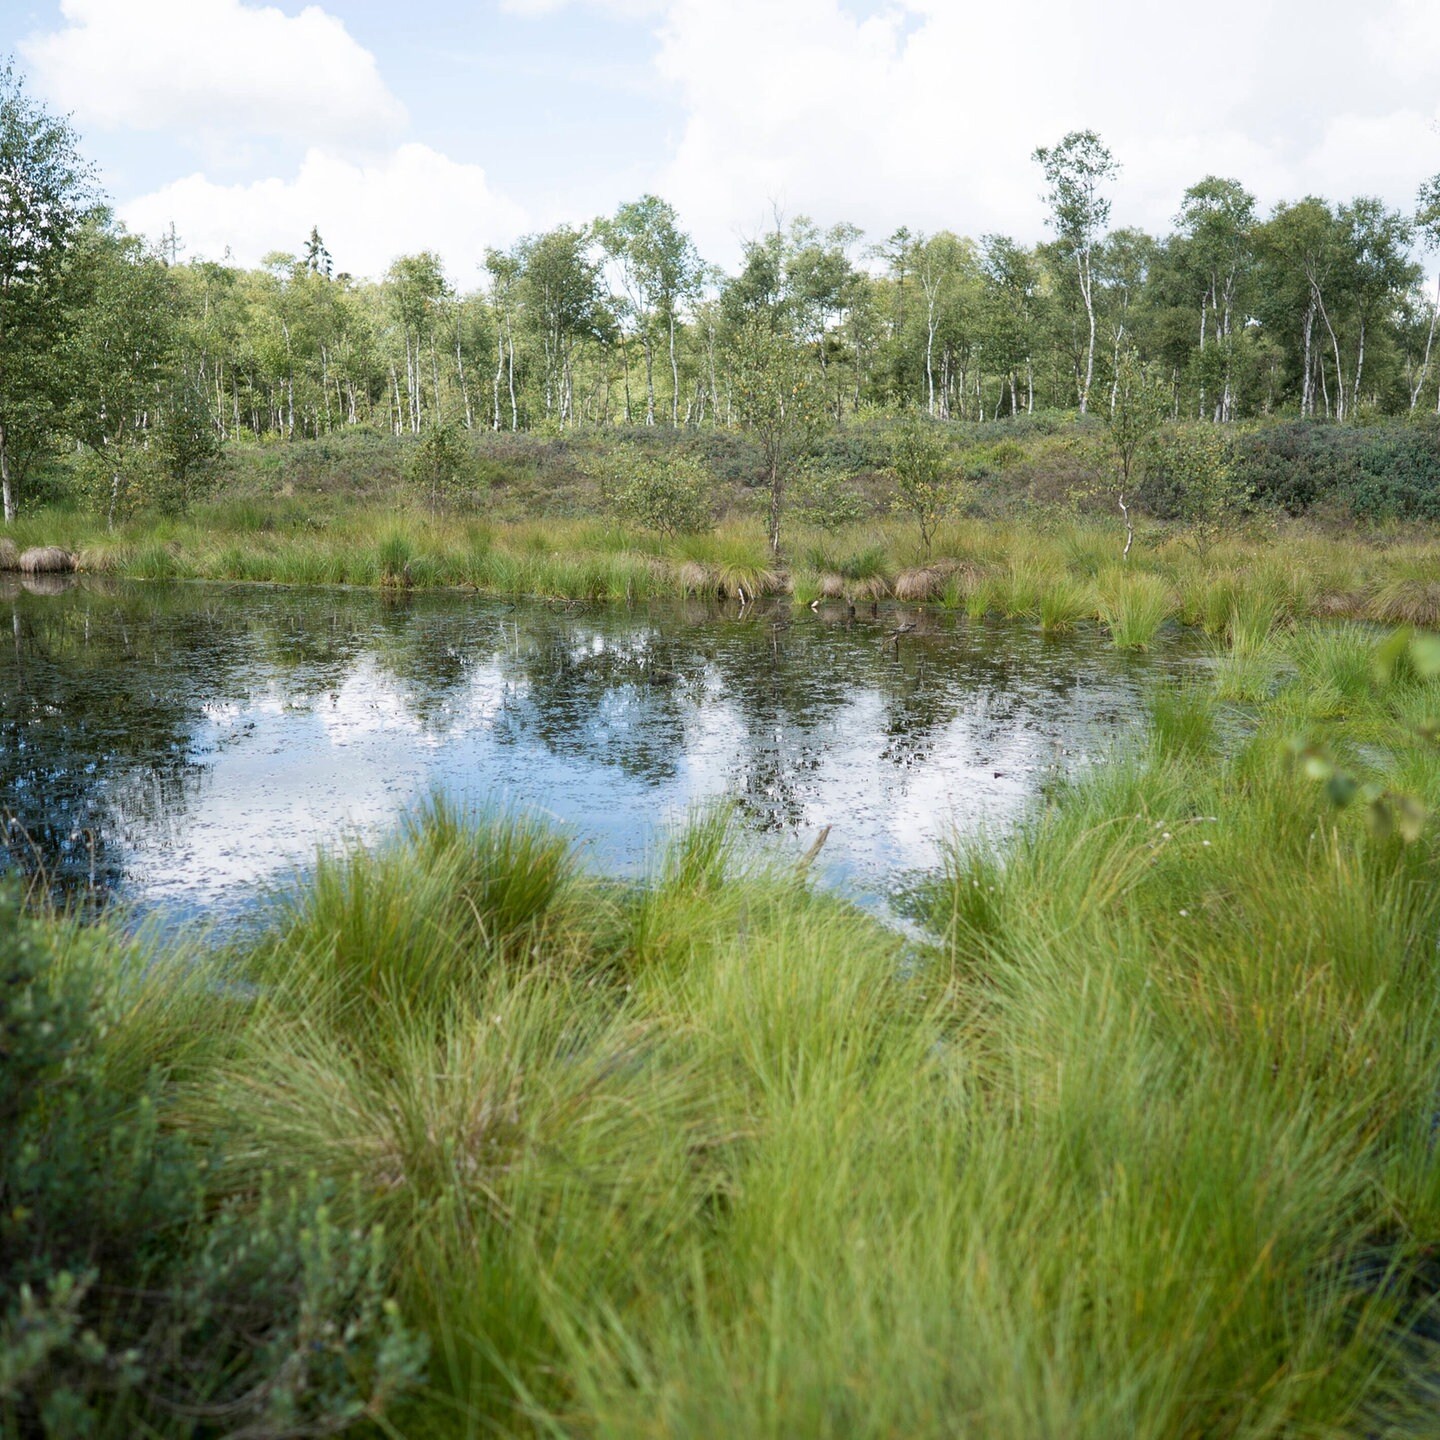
(1053, 572)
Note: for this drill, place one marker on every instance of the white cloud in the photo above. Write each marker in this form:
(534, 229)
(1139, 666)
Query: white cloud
(883, 112)
(620, 9)
(229, 74)
(412, 198)
(927, 114)
(214, 67)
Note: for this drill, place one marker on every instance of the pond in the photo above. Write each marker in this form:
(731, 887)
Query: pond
(185, 746)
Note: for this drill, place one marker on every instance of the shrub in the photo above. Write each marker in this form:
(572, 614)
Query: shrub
(734, 459)
(1191, 476)
(1385, 471)
(1069, 473)
(824, 497)
(125, 1299)
(437, 467)
(853, 450)
(671, 494)
(987, 461)
(1292, 466)
(119, 481)
(927, 485)
(1398, 472)
(189, 445)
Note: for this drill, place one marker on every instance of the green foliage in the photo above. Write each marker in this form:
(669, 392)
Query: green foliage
(927, 481)
(438, 470)
(47, 190)
(1384, 471)
(580, 330)
(403, 928)
(672, 494)
(991, 459)
(1076, 1153)
(129, 1303)
(1191, 476)
(189, 444)
(778, 400)
(1133, 606)
(825, 497)
(1137, 413)
(1404, 655)
(120, 482)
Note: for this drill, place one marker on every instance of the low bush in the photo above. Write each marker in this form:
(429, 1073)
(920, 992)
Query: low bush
(672, 494)
(130, 1304)
(1386, 471)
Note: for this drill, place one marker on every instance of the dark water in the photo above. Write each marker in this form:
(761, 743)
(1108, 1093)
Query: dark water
(183, 745)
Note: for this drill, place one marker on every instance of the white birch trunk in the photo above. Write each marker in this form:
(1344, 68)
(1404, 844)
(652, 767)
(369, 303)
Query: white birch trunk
(674, 378)
(7, 493)
(1425, 362)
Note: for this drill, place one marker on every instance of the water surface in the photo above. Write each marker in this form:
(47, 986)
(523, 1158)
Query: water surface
(184, 745)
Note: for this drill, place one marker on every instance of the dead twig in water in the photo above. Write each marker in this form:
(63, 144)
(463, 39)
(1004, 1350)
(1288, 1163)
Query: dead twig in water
(804, 863)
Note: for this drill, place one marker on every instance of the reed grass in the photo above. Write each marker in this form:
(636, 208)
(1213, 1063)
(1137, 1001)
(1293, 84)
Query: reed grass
(1255, 611)
(981, 596)
(1133, 605)
(1063, 603)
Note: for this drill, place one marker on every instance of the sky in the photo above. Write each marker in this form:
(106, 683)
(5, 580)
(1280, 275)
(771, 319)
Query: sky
(452, 126)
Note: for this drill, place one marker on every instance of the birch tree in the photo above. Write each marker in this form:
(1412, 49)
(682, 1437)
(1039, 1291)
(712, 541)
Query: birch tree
(778, 402)
(1075, 170)
(1378, 243)
(1012, 298)
(1299, 246)
(563, 302)
(1427, 228)
(1135, 416)
(659, 271)
(824, 286)
(939, 264)
(419, 290)
(504, 270)
(123, 348)
(1217, 224)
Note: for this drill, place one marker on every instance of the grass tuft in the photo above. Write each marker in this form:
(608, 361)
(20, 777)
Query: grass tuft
(1133, 605)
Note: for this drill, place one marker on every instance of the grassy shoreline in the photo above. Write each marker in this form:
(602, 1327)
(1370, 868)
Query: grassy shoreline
(1140, 1142)
(1054, 574)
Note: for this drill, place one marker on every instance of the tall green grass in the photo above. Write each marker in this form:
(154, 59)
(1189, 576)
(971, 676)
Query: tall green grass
(1133, 605)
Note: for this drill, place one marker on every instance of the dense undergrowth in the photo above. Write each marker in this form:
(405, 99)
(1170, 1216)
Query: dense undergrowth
(1140, 1142)
(1380, 470)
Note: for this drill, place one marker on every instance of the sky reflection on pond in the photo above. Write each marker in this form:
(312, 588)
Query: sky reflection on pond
(186, 744)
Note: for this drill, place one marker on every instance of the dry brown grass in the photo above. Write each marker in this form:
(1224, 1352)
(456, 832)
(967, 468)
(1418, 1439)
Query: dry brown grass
(927, 582)
(46, 560)
(873, 587)
(694, 578)
(1340, 604)
(1407, 600)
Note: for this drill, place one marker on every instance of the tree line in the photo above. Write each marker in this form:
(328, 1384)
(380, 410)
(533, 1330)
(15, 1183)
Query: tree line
(127, 351)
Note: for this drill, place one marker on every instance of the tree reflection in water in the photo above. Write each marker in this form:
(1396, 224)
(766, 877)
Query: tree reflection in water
(144, 729)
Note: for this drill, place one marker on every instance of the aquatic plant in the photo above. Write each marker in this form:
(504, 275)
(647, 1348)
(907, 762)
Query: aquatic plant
(1133, 604)
(1062, 603)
